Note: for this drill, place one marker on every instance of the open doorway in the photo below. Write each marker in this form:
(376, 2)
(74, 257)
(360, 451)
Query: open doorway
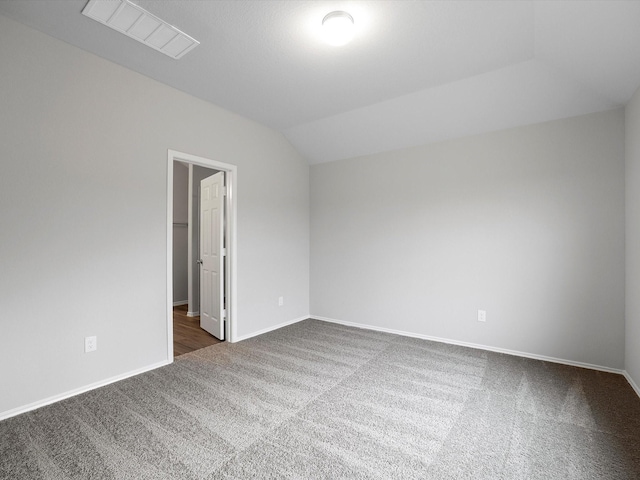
(201, 219)
(195, 327)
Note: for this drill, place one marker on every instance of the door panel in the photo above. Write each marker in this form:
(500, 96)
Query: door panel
(211, 257)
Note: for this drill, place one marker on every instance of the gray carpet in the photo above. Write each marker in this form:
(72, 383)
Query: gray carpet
(317, 400)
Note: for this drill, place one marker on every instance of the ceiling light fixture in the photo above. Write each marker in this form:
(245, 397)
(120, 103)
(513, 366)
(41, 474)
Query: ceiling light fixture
(338, 28)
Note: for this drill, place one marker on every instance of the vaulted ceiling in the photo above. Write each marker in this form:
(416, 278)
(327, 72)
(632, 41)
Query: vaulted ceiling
(416, 71)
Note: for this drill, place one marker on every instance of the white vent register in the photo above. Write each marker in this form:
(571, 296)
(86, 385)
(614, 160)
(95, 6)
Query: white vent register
(137, 23)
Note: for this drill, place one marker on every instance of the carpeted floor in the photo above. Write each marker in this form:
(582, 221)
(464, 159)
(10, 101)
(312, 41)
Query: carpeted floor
(317, 400)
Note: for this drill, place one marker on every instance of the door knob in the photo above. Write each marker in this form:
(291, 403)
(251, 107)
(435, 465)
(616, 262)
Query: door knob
(199, 262)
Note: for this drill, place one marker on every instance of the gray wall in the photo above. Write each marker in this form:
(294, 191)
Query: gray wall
(180, 232)
(83, 187)
(527, 224)
(632, 151)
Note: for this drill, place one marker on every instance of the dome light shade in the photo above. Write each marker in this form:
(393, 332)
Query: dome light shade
(338, 28)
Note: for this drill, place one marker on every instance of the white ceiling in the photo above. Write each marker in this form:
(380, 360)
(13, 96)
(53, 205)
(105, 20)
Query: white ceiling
(417, 71)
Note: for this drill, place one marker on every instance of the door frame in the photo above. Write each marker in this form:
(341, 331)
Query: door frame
(230, 277)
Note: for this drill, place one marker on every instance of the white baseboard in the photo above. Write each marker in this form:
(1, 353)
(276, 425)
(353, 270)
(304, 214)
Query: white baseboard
(193, 314)
(180, 302)
(474, 345)
(633, 384)
(56, 398)
(78, 391)
(270, 329)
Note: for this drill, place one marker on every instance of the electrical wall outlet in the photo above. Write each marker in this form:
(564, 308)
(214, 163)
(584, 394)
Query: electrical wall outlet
(482, 315)
(280, 301)
(90, 344)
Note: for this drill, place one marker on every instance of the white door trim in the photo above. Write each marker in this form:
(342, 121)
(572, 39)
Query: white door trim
(231, 171)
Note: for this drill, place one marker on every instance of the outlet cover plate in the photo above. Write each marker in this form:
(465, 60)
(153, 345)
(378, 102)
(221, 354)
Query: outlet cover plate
(90, 344)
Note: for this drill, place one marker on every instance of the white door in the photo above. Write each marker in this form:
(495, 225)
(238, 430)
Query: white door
(212, 255)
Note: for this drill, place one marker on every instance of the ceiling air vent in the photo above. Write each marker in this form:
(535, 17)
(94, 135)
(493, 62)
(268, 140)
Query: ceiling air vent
(137, 23)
